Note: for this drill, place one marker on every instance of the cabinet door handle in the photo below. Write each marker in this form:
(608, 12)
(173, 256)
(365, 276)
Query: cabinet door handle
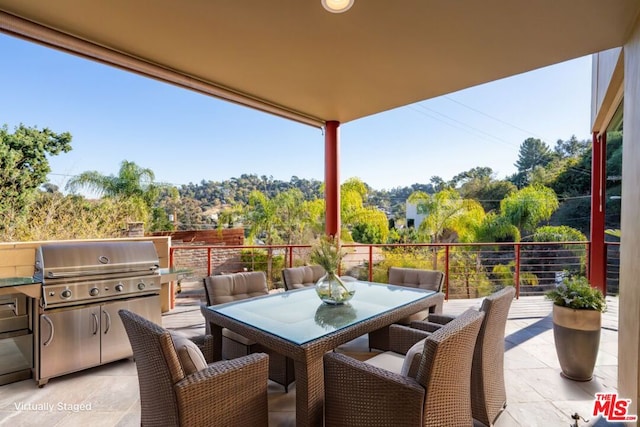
(95, 323)
(107, 316)
(48, 341)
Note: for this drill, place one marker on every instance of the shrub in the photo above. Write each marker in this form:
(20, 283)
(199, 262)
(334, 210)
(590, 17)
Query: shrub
(576, 293)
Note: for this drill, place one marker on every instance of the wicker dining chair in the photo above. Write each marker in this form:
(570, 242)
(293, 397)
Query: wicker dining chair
(488, 394)
(360, 394)
(432, 280)
(305, 276)
(301, 277)
(178, 387)
(238, 286)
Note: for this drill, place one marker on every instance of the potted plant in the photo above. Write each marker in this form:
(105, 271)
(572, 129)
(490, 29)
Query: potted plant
(577, 319)
(330, 288)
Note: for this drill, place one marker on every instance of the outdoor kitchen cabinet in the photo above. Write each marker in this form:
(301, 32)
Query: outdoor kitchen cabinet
(84, 285)
(77, 338)
(16, 334)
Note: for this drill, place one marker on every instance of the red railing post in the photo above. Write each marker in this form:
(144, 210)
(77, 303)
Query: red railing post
(209, 261)
(588, 261)
(290, 249)
(517, 272)
(171, 257)
(446, 272)
(370, 263)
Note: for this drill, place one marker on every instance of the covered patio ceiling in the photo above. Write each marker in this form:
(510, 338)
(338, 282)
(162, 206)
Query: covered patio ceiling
(294, 59)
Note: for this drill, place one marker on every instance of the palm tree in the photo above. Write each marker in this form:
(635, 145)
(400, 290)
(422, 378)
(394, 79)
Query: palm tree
(446, 211)
(262, 218)
(527, 207)
(133, 183)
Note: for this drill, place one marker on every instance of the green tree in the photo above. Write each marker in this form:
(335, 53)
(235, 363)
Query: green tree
(366, 224)
(54, 216)
(527, 207)
(479, 184)
(168, 203)
(132, 182)
(560, 233)
(533, 152)
(191, 215)
(293, 217)
(262, 218)
(438, 184)
(573, 184)
(477, 173)
(315, 211)
(284, 218)
(497, 228)
(448, 216)
(572, 147)
(370, 226)
(23, 168)
(229, 215)
(506, 276)
(353, 193)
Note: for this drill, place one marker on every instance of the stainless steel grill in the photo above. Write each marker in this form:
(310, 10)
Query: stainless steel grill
(73, 273)
(84, 284)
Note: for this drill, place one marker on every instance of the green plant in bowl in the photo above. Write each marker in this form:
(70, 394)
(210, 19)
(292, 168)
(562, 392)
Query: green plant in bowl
(330, 288)
(575, 292)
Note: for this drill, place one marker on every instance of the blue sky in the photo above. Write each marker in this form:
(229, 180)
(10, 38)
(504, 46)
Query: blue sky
(187, 137)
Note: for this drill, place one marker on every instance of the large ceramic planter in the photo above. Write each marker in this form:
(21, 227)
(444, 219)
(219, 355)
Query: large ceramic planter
(577, 337)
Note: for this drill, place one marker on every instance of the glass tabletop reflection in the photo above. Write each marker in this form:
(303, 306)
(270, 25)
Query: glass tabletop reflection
(299, 316)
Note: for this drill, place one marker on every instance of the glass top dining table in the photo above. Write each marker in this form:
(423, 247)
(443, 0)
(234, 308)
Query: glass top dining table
(299, 316)
(298, 325)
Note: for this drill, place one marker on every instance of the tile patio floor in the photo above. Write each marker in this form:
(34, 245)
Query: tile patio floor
(537, 394)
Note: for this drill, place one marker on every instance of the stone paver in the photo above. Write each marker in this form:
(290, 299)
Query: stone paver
(537, 394)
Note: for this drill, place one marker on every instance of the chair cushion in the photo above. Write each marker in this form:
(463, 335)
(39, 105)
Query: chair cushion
(394, 362)
(294, 276)
(299, 277)
(416, 278)
(191, 358)
(388, 360)
(421, 315)
(412, 359)
(234, 287)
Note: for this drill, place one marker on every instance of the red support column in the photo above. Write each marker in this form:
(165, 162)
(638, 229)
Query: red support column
(597, 254)
(332, 179)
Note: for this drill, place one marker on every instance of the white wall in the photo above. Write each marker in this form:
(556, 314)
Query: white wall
(629, 314)
(412, 213)
(616, 80)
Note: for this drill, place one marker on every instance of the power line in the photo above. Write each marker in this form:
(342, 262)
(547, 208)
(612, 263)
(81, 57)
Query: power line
(474, 129)
(576, 169)
(493, 117)
(498, 139)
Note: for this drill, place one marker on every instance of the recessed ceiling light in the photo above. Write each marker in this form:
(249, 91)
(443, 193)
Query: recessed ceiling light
(337, 6)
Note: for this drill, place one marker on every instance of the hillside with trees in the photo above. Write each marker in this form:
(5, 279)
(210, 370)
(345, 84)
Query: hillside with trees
(473, 205)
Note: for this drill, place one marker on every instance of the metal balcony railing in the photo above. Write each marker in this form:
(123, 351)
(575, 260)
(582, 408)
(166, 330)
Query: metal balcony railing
(472, 270)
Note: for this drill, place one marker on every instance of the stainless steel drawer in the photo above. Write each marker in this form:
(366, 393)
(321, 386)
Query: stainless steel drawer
(13, 313)
(16, 352)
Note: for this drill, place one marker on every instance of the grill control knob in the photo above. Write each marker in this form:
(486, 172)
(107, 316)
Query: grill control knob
(65, 294)
(94, 292)
(141, 286)
(119, 287)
